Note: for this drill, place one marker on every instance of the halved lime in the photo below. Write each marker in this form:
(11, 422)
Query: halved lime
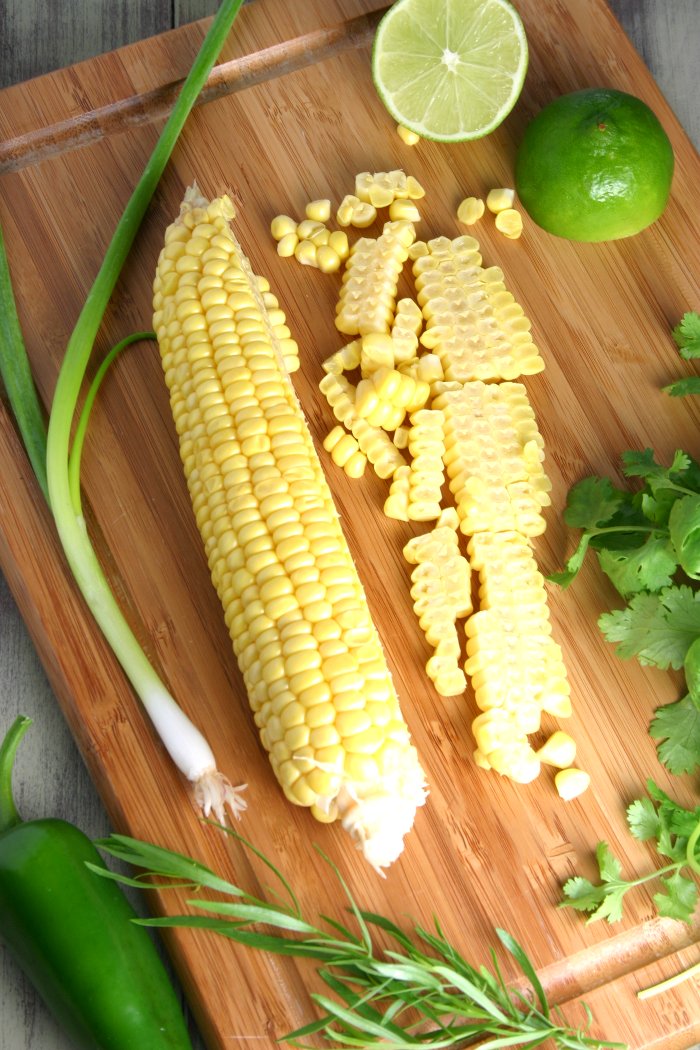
(450, 69)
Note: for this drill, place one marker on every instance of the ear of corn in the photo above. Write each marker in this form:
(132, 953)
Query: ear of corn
(310, 657)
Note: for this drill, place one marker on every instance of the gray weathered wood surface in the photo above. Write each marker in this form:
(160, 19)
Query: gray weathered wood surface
(37, 36)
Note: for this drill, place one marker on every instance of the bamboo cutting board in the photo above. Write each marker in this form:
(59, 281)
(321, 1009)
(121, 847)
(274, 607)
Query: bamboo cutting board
(484, 852)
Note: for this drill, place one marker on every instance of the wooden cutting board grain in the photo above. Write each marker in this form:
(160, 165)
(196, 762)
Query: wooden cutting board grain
(484, 852)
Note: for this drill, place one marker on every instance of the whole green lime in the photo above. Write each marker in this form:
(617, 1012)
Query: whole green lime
(595, 165)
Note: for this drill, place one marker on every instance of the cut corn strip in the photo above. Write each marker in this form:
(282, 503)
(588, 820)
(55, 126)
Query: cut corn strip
(408, 321)
(383, 187)
(473, 323)
(373, 441)
(345, 452)
(512, 660)
(372, 269)
(426, 443)
(396, 503)
(441, 594)
(328, 716)
(494, 458)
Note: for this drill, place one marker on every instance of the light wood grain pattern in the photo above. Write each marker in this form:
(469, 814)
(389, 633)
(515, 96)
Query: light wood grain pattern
(602, 316)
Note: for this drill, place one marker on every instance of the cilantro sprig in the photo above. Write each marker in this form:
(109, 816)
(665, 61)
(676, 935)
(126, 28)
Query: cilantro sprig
(686, 336)
(675, 832)
(647, 541)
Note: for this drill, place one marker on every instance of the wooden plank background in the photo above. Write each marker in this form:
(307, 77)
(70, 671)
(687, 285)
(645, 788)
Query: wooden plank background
(36, 37)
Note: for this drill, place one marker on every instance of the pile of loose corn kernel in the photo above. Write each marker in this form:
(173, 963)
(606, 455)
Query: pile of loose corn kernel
(427, 391)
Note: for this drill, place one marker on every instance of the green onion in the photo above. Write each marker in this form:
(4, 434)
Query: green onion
(17, 376)
(59, 479)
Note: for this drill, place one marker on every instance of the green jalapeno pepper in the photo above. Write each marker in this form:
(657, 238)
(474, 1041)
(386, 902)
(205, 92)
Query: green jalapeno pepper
(71, 932)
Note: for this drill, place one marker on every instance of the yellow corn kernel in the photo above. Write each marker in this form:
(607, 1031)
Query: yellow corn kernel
(396, 503)
(500, 199)
(245, 445)
(413, 188)
(570, 783)
(403, 208)
(470, 210)
(558, 750)
(282, 225)
(376, 351)
(305, 253)
(517, 761)
(363, 215)
(345, 209)
(307, 228)
(327, 259)
(287, 245)
(318, 210)
(407, 136)
(338, 241)
(509, 222)
(344, 360)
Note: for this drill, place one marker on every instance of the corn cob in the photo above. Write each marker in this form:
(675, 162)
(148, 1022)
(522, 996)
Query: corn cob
(494, 457)
(473, 323)
(311, 659)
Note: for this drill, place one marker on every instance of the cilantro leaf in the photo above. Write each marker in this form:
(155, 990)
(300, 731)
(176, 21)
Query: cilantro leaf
(656, 628)
(610, 867)
(573, 565)
(686, 335)
(681, 822)
(581, 894)
(591, 503)
(683, 387)
(657, 507)
(678, 898)
(684, 530)
(604, 901)
(677, 726)
(643, 820)
(644, 465)
(691, 666)
(646, 568)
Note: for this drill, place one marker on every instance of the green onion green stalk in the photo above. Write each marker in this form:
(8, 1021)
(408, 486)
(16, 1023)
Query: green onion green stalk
(58, 469)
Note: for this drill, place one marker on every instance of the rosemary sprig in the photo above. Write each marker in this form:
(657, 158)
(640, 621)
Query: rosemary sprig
(418, 991)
